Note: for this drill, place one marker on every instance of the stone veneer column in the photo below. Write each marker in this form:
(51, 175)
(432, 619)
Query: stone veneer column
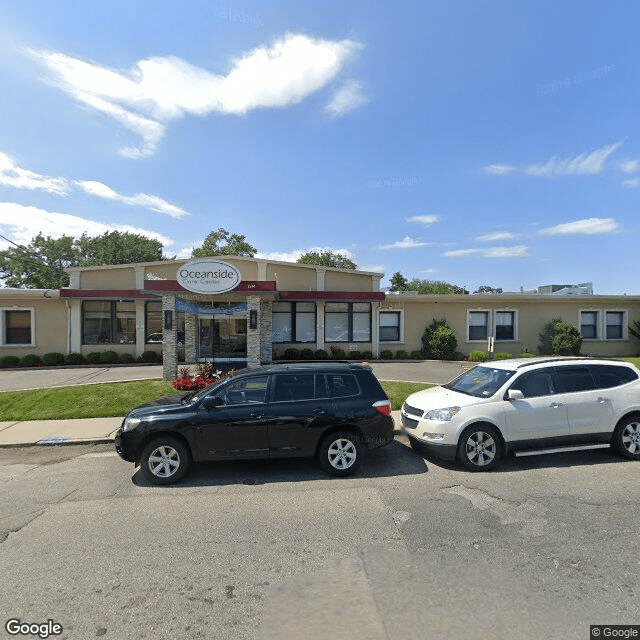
(190, 333)
(253, 335)
(265, 320)
(169, 340)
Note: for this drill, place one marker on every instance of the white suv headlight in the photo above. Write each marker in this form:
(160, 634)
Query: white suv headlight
(442, 415)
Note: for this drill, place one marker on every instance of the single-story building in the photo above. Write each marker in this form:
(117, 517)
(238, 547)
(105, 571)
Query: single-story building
(241, 311)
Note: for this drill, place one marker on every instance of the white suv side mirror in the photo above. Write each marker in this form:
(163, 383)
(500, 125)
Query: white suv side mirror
(515, 394)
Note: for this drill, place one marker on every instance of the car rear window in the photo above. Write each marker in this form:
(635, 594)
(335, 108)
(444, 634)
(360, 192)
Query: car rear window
(294, 386)
(607, 376)
(574, 378)
(342, 385)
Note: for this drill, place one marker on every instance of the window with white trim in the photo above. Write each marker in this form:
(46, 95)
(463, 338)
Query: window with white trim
(477, 325)
(589, 325)
(614, 325)
(389, 326)
(108, 322)
(17, 327)
(505, 325)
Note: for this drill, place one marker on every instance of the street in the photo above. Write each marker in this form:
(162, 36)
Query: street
(409, 548)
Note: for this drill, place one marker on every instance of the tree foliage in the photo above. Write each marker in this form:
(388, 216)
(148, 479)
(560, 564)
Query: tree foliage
(439, 341)
(224, 243)
(41, 264)
(560, 338)
(487, 289)
(327, 259)
(400, 283)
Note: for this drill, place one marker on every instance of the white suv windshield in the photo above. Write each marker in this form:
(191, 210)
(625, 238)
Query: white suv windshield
(481, 381)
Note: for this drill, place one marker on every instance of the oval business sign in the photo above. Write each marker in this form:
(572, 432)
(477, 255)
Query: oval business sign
(208, 276)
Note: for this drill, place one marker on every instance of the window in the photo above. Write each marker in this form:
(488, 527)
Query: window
(341, 385)
(478, 325)
(247, 391)
(589, 325)
(615, 321)
(607, 376)
(505, 325)
(535, 384)
(298, 386)
(294, 321)
(153, 322)
(17, 327)
(390, 326)
(347, 322)
(571, 379)
(108, 322)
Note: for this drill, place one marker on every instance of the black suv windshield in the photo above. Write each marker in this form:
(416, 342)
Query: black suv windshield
(481, 381)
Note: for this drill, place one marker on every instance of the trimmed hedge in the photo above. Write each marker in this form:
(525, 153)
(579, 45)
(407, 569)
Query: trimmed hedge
(30, 360)
(9, 361)
(401, 354)
(478, 356)
(74, 358)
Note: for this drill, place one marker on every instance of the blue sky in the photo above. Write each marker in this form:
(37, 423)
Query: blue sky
(472, 142)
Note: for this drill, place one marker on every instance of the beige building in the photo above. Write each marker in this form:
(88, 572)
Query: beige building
(237, 311)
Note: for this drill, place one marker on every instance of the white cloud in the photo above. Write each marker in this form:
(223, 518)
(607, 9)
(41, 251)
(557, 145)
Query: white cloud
(629, 166)
(375, 268)
(426, 220)
(519, 251)
(347, 98)
(406, 243)
(153, 203)
(588, 226)
(12, 175)
(496, 236)
(499, 169)
(585, 163)
(160, 89)
(292, 256)
(22, 223)
(632, 183)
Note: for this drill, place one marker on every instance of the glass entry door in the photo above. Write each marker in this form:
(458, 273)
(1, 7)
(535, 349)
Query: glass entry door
(222, 339)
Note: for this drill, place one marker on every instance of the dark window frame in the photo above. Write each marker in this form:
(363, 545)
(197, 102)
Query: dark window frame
(350, 315)
(293, 313)
(113, 322)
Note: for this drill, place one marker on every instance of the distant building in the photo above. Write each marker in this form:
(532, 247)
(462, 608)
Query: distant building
(583, 289)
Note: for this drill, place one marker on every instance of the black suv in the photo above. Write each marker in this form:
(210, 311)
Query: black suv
(332, 411)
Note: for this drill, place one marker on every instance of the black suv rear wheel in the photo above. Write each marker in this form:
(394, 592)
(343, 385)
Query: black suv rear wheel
(340, 453)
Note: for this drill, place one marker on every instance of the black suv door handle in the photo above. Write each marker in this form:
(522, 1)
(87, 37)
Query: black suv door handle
(257, 414)
(320, 411)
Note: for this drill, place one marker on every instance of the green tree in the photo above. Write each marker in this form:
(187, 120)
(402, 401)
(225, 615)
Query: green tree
(487, 289)
(439, 341)
(223, 243)
(327, 259)
(39, 265)
(398, 282)
(114, 247)
(560, 338)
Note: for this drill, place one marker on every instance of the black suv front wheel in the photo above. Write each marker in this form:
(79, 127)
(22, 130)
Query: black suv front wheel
(340, 453)
(165, 460)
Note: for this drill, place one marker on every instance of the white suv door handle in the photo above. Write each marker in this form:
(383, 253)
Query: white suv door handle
(555, 405)
(602, 400)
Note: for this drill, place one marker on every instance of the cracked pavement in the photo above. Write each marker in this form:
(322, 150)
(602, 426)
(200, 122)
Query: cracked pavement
(409, 548)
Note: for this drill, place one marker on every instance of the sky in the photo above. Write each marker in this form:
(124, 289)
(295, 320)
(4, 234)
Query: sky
(474, 142)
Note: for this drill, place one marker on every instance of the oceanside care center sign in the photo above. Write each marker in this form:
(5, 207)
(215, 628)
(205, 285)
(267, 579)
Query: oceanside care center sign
(208, 276)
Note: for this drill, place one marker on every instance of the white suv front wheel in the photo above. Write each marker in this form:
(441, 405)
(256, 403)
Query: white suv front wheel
(626, 438)
(480, 447)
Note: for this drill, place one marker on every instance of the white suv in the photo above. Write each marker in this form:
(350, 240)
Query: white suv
(528, 406)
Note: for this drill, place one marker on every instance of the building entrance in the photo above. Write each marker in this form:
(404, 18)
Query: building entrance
(222, 339)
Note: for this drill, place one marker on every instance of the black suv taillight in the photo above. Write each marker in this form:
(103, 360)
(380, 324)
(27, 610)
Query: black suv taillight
(383, 407)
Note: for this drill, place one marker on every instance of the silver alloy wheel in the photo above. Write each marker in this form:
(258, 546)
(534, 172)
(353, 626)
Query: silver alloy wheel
(164, 461)
(481, 448)
(631, 437)
(342, 453)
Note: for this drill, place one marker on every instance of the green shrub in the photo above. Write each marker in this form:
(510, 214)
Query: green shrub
(292, 354)
(478, 356)
(30, 360)
(338, 354)
(544, 347)
(95, 357)
(367, 355)
(439, 340)
(306, 354)
(109, 357)
(566, 339)
(501, 355)
(416, 355)
(401, 354)
(52, 359)
(386, 355)
(9, 361)
(321, 354)
(150, 356)
(457, 355)
(354, 355)
(74, 358)
(127, 358)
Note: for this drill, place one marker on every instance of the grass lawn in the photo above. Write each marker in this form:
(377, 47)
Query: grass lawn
(107, 400)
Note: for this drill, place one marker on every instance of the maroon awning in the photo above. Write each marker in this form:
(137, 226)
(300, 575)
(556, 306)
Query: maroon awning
(107, 293)
(333, 296)
(246, 286)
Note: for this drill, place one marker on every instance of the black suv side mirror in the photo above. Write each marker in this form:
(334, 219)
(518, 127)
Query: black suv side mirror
(212, 403)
